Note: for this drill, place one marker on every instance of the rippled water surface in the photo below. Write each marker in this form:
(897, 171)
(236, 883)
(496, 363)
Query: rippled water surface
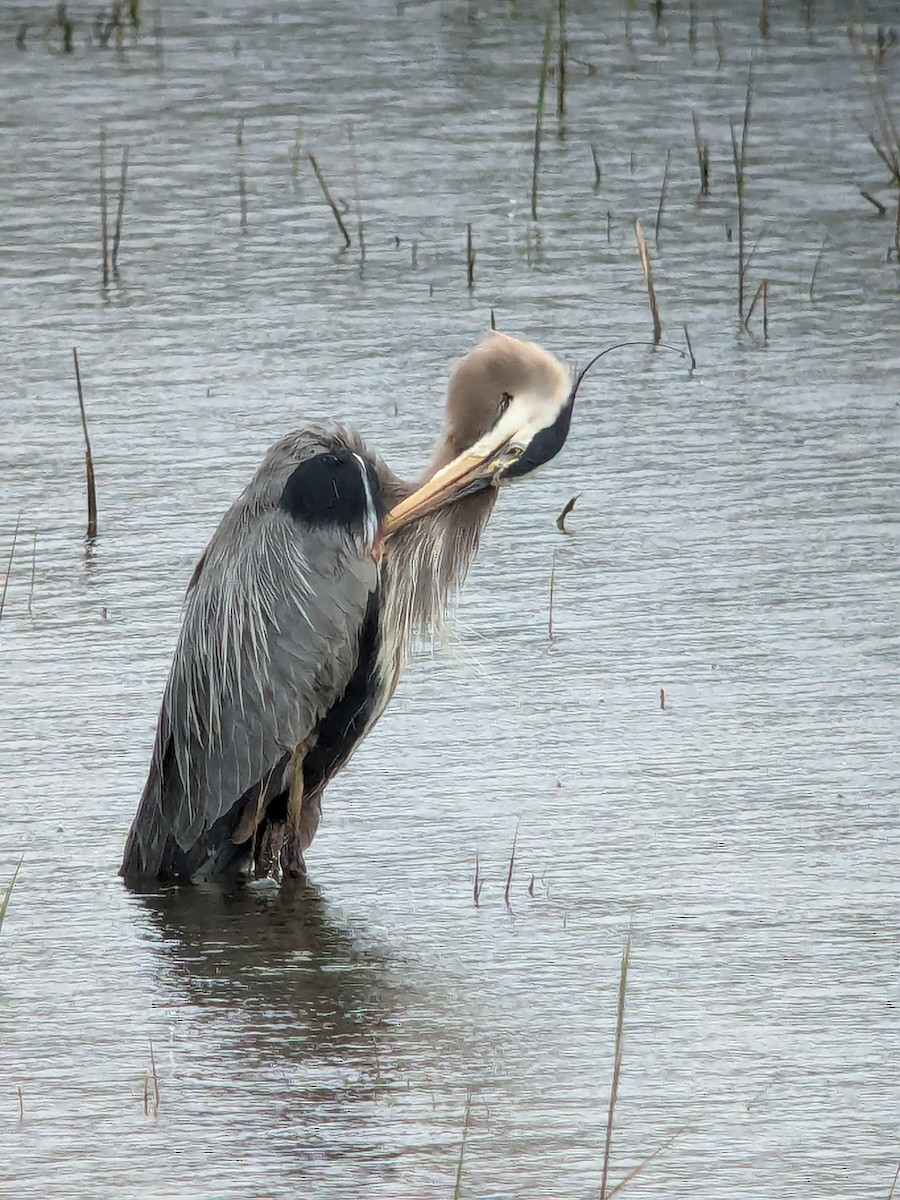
(735, 543)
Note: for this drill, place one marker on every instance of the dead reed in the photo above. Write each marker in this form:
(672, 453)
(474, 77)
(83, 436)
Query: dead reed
(617, 1064)
(104, 217)
(596, 162)
(120, 211)
(702, 156)
(91, 533)
(478, 883)
(662, 699)
(21, 1103)
(739, 155)
(815, 270)
(33, 568)
(512, 863)
(470, 259)
(648, 276)
(551, 591)
(663, 192)
(457, 1187)
(8, 891)
(539, 114)
(357, 202)
(9, 563)
(692, 25)
(894, 1183)
(563, 49)
(326, 192)
(687, 338)
(151, 1088)
(761, 292)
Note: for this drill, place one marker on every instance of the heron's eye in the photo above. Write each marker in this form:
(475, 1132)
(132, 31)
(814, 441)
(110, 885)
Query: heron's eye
(505, 402)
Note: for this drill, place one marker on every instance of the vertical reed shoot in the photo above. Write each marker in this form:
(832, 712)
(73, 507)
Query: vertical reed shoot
(702, 156)
(663, 192)
(104, 218)
(117, 235)
(9, 563)
(561, 62)
(648, 276)
(617, 1063)
(88, 458)
(539, 114)
(470, 259)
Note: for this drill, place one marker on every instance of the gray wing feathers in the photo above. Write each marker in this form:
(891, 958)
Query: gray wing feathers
(268, 643)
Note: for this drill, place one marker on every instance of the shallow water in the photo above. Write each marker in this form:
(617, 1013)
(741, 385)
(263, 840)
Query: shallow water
(735, 543)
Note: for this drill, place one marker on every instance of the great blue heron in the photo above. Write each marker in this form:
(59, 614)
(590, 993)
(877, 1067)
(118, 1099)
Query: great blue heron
(300, 614)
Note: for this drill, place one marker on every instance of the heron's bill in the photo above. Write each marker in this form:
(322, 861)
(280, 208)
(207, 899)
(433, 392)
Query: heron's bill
(459, 477)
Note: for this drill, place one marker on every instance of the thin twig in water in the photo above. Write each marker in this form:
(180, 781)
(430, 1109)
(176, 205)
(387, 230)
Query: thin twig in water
(88, 458)
(117, 235)
(512, 863)
(635, 1171)
(617, 1064)
(12, 551)
(477, 885)
(326, 192)
(7, 893)
(663, 191)
(739, 153)
(457, 1189)
(33, 566)
(894, 1184)
(596, 161)
(761, 291)
(687, 338)
(470, 259)
(360, 234)
(104, 220)
(154, 1078)
(815, 271)
(539, 114)
(21, 1103)
(561, 62)
(702, 156)
(550, 604)
(648, 276)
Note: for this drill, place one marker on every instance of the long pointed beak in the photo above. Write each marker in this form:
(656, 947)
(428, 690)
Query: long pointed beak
(468, 473)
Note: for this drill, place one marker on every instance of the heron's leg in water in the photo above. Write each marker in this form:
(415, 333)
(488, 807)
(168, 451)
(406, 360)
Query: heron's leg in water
(303, 814)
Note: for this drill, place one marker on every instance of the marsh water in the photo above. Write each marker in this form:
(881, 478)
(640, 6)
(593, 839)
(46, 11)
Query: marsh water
(734, 544)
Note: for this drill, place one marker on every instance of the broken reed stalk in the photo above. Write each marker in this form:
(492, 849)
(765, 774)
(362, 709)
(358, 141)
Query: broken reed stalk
(539, 114)
(21, 1103)
(88, 458)
(692, 25)
(894, 1183)
(764, 24)
(457, 1188)
(470, 259)
(326, 192)
(739, 153)
(477, 885)
(663, 192)
(242, 174)
(561, 62)
(648, 276)
(702, 156)
(512, 863)
(9, 563)
(617, 1064)
(117, 235)
(761, 291)
(104, 217)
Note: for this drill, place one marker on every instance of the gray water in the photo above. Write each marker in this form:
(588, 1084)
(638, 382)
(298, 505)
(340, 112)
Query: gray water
(735, 543)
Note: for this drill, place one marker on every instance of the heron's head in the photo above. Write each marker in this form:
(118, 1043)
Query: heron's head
(508, 412)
